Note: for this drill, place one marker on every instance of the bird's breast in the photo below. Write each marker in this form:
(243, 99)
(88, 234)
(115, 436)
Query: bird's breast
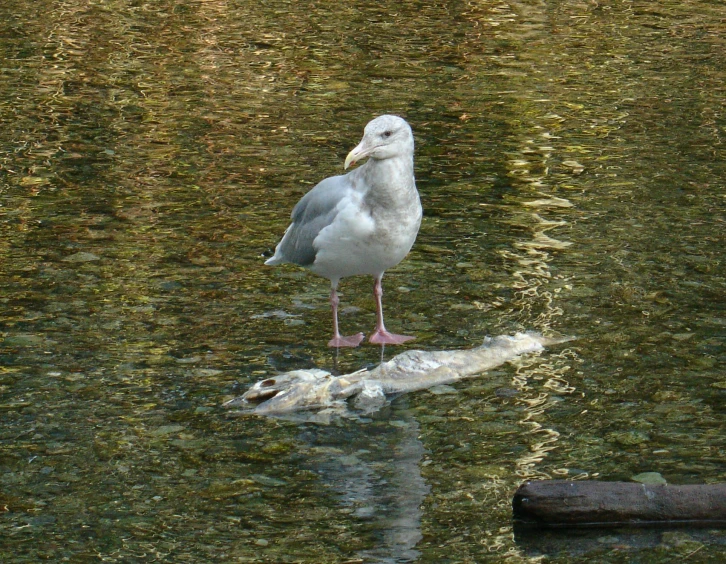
(358, 242)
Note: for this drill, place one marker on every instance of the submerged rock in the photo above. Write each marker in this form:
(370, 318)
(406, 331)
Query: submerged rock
(650, 478)
(81, 257)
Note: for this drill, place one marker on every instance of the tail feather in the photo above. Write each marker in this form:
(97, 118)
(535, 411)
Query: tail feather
(274, 260)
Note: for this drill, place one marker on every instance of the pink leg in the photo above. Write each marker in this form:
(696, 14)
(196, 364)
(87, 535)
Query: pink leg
(338, 340)
(380, 336)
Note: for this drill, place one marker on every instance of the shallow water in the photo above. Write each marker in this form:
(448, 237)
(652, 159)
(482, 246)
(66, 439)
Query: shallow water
(570, 158)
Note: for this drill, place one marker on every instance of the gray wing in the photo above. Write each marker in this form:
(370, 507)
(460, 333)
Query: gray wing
(315, 211)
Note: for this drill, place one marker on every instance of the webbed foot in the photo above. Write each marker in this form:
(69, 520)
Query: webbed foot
(352, 341)
(383, 337)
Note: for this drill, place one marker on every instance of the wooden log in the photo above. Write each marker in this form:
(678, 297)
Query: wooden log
(589, 503)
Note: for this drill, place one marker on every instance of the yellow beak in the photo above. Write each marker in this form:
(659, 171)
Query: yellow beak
(360, 152)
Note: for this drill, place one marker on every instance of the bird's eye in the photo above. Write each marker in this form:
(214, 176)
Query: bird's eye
(387, 134)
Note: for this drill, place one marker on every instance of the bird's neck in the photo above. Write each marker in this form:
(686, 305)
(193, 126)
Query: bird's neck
(391, 184)
(383, 174)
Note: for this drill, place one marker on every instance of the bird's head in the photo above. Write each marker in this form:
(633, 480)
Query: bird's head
(383, 138)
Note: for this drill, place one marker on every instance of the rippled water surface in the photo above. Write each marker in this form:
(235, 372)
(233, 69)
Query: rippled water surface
(570, 158)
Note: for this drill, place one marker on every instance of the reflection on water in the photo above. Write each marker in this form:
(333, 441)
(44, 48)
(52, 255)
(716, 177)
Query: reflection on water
(570, 158)
(374, 470)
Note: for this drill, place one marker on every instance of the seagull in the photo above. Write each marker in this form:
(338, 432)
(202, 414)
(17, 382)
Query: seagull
(363, 222)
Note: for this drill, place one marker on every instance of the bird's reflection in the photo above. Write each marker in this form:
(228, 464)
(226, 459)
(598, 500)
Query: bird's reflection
(373, 467)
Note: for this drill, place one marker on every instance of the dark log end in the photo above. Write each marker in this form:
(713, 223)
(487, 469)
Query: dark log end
(589, 503)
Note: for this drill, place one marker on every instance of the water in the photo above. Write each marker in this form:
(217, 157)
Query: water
(570, 158)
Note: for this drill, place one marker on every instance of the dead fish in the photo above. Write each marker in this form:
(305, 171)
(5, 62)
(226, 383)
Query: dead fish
(407, 372)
